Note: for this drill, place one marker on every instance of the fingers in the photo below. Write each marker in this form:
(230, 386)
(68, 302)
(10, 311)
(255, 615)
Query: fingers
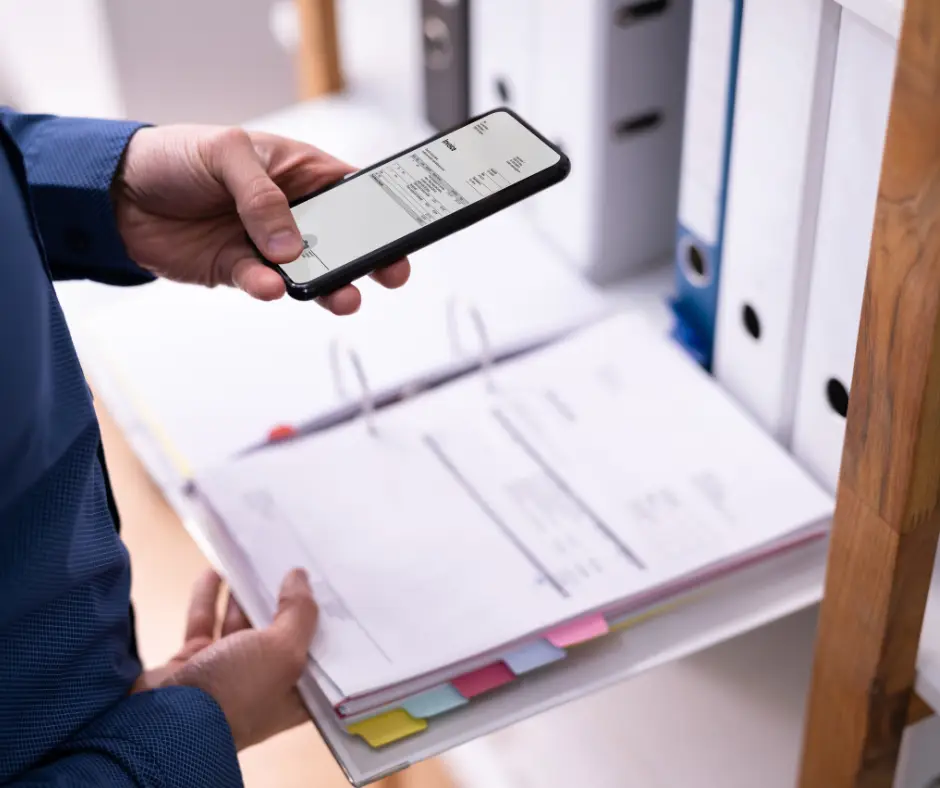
(344, 301)
(394, 275)
(262, 206)
(295, 621)
(256, 279)
(296, 167)
(259, 281)
(347, 300)
(201, 619)
(235, 620)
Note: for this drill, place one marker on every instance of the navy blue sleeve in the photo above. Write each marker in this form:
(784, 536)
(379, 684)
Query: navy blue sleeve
(70, 167)
(175, 737)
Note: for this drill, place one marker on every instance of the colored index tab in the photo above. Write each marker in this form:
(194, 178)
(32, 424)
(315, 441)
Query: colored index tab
(579, 631)
(632, 619)
(387, 728)
(483, 680)
(280, 432)
(532, 656)
(433, 702)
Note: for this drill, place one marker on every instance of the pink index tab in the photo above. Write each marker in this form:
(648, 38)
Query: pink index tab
(579, 631)
(483, 680)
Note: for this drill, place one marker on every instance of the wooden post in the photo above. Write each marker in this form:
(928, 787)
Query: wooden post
(887, 519)
(318, 57)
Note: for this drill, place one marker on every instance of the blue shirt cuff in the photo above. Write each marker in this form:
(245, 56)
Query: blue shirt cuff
(71, 164)
(174, 737)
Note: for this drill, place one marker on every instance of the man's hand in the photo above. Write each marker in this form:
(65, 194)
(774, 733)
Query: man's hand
(252, 674)
(186, 195)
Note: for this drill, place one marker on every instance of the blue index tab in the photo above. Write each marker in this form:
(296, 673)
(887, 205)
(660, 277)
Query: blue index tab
(532, 656)
(434, 701)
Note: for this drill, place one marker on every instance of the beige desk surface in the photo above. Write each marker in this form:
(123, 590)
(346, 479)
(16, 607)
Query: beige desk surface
(165, 563)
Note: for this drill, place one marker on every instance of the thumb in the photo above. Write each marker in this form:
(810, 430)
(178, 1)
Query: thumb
(261, 205)
(295, 621)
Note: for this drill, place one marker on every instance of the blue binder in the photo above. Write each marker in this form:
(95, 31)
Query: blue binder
(706, 151)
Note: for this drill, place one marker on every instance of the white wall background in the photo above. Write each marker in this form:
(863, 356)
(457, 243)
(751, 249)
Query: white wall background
(217, 61)
(55, 56)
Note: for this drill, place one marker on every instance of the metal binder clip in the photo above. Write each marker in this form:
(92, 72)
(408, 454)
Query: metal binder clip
(366, 397)
(486, 349)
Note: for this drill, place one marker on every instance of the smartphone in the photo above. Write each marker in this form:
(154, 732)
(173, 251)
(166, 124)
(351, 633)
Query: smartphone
(377, 215)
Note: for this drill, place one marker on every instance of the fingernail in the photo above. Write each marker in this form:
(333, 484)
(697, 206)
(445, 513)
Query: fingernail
(284, 243)
(298, 580)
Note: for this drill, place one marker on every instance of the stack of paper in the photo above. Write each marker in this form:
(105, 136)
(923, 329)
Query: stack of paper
(478, 531)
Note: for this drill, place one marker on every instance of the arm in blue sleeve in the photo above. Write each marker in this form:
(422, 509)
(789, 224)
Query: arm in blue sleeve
(176, 737)
(70, 166)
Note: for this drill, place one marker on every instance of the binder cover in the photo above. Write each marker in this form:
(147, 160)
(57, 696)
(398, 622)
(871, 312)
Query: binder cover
(860, 102)
(706, 147)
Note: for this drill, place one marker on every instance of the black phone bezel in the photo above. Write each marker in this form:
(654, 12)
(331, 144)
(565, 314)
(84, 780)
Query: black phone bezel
(424, 236)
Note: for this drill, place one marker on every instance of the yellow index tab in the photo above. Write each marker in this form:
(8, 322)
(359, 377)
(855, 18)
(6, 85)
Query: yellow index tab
(388, 727)
(646, 615)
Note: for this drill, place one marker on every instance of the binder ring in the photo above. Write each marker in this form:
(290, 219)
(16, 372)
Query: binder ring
(479, 324)
(367, 399)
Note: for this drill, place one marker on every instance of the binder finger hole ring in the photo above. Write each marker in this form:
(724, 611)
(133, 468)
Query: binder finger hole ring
(338, 351)
(485, 353)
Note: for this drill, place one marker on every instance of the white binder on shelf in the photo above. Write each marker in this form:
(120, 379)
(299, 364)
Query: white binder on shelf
(502, 34)
(858, 121)
(781, 112)
(606, 81)
(706, 147)
(610, 90)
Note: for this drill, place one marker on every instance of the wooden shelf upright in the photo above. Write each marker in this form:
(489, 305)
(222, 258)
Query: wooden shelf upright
(887, 516)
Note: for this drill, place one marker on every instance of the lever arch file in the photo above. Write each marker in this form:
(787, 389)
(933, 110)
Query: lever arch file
(605, 81)
(706, 147)
(785, 74)
(861, 99)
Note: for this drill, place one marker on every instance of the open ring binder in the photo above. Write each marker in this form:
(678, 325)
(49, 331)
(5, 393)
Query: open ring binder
(479, 324)
(367, 398)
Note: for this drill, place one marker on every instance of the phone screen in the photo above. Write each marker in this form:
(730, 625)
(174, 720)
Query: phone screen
(385, 203)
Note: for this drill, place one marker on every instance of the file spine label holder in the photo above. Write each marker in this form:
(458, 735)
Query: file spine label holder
(706, 151)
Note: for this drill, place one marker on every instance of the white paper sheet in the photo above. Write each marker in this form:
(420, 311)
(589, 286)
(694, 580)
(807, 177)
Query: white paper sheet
(593, 471)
